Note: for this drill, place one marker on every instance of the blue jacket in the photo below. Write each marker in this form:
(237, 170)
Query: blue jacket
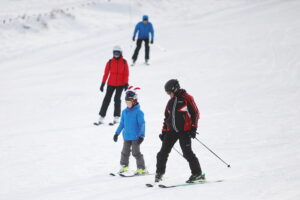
(144, 30)
(132, 123)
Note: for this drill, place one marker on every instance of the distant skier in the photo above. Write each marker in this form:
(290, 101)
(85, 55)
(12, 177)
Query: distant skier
(117, 71)
(133, 126)
(143, 28)
(181, 121)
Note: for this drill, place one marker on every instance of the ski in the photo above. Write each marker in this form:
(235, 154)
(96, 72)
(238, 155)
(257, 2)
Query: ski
(154, 183)
(112, 123)
(188, 184)
(128, 175)
(134, 175)
(113, 174)
(98, 123)
(151, 184)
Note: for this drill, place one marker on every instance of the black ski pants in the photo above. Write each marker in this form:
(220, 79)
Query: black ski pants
(106, 101)
(186, 147)
(138, 47)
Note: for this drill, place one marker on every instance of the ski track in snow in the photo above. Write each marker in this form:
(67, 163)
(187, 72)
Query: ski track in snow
(239, 59)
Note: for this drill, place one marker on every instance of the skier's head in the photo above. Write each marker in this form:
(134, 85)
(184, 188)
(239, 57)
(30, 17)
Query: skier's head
(172, 86)
(131, 98)
(145, 19)
(117, 51)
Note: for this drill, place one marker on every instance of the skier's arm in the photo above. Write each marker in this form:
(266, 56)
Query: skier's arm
(167, 115)
(152, 32)
(135, 30)
(193, 110)
(141, 124)
(121, 125)
(106, 72)
(126, 73)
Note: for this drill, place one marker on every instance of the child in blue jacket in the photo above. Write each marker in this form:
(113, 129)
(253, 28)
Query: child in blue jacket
(133, 126)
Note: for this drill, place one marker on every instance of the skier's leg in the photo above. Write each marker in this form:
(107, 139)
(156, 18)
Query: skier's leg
(186, 147)
(137, 49)
(163, 154)
(117, 99)
(140, 162)
(106, 101)
(147, 49)
(125, 153)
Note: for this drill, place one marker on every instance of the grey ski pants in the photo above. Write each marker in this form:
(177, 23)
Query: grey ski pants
(140, 163)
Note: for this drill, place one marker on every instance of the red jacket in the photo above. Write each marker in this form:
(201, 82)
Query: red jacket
(181, 113)
(118, 72)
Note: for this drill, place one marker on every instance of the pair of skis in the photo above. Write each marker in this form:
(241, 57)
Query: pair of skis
(160, 185)
(99, 123)
(145, 63)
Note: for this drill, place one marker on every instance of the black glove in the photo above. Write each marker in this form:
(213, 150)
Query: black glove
(151, 41)
(133, 39)
(126, 86)
(102, 87)
(140, 140)
(162, 136)
(193, 132)
(116, 137)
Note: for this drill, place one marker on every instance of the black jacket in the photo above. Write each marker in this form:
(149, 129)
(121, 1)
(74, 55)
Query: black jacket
(181, 113)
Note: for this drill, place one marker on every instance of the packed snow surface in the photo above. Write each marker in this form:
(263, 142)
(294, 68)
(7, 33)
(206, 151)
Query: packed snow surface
(239, 59)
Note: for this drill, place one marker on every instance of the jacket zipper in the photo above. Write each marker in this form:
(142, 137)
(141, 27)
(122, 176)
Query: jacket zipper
(173, 115)
(117, 72)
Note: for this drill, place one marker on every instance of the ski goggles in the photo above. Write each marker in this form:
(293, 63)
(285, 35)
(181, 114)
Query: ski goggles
(116, 53)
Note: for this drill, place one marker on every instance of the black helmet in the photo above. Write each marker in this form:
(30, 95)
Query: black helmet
(172, 86)
(130, 95)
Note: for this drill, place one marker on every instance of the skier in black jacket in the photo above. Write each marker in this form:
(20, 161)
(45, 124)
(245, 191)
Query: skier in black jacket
(181, 122)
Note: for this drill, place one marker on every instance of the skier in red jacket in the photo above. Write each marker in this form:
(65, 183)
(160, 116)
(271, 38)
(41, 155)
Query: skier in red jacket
(117, 73)
(180, 123)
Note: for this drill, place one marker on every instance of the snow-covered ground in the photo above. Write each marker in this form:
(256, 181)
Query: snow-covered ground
(239, 59)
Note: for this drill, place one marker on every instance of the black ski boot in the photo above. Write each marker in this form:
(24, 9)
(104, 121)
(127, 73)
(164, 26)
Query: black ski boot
(133, 62)
(196, 178)
(158, 177)
(147, 62)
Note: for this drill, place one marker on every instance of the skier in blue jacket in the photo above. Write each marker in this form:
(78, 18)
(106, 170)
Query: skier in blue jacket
(143, 28)
(133, 126)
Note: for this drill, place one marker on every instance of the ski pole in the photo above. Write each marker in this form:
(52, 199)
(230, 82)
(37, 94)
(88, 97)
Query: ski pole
(212, 152)
(178, 151)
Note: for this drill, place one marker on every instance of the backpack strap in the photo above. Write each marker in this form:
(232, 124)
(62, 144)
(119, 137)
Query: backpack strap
(125, 61)
(109, 63)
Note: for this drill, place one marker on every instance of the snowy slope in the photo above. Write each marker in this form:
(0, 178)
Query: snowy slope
(238, 58)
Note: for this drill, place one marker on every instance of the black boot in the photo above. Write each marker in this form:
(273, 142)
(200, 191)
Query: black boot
(196, 178)
(158, 177)
(133, 62)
